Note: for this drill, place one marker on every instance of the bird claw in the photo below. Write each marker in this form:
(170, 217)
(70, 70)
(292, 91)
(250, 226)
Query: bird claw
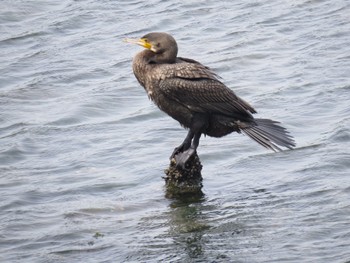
(182, 158)
(176, 151)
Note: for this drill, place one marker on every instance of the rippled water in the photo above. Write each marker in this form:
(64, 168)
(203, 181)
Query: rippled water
(82, 149)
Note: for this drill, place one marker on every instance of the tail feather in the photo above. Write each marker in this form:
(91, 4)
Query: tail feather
(269, 134)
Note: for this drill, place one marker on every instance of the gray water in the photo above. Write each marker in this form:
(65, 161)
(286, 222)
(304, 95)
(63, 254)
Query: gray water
(82, 149)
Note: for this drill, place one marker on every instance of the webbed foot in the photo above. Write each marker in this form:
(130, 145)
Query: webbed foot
(176, 151)
(179, 150)
(182, 158)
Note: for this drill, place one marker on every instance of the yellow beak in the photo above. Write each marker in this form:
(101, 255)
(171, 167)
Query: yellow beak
(141, 42)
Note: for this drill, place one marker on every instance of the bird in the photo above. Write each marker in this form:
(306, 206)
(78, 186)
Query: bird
(195, 96)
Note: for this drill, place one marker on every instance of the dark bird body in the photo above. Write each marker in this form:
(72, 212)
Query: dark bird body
(193, 95)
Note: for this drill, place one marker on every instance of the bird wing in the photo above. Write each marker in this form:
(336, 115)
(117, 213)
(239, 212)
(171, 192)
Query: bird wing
(196, 87)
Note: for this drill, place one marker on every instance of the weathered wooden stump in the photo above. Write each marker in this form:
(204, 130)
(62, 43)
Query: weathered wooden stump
(187, 181)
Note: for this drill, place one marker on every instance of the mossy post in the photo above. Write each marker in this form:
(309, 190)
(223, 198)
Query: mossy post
(184, 181)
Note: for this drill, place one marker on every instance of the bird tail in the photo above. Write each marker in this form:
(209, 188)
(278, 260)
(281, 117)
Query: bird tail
(269, 134)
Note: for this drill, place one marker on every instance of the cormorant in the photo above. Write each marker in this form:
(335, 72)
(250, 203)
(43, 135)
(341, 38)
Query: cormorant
(193, 95)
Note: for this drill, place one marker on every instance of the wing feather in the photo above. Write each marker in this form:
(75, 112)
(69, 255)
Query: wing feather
(205, 95)
(198, 88)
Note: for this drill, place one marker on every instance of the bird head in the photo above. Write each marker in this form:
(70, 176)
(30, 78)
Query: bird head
(162, 44)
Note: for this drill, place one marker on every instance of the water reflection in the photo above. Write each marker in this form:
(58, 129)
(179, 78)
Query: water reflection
(214, 231)
(188, 223)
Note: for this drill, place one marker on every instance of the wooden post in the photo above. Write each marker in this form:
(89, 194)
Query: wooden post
(187, 181)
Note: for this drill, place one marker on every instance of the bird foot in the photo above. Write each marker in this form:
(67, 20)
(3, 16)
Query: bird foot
(177, 151)
(182, 158)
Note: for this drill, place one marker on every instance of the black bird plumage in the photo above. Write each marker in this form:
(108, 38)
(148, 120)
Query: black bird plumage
(193, 95)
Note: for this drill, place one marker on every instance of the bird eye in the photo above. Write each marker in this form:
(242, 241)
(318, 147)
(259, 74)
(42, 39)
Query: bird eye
(158, 45)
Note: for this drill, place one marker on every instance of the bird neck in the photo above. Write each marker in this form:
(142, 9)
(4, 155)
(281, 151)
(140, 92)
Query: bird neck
(166, 57)
(142, 65)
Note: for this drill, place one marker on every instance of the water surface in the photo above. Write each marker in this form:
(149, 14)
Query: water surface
(82, 149)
